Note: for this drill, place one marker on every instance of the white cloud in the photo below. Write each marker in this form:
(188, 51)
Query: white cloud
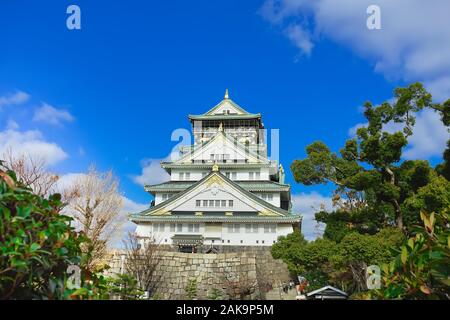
(67, 180)
(12, 125)
(413, 44)
(130, 206)
(16, 98)
(429, 137)
(307, 204)
(31, 143)
(152, 173)
(49, 114)
(300, 38)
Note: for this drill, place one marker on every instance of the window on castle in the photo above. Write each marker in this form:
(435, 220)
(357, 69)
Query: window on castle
(233, 175)
(234, 228)
(255, 228)
(158, 227)
(270, 197)
(179, 227)
(254, 175)
(214, 203)
(181, 175)
(266, 228)
(166, 196)
(190, 227)
(172, 227)
(187, 176)
(248, 228)
(273, 228)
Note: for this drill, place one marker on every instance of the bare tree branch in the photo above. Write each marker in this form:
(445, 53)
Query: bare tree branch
(95, 203)
(143, 256)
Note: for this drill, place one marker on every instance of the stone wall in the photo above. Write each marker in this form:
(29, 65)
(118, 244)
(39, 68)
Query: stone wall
(215, 274)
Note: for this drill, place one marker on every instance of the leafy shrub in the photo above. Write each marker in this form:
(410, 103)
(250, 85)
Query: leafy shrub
(37, 245)
(125, 287)
(421, 267)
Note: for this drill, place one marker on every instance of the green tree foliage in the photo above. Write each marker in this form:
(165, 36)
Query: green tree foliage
(371, 186)
(37, 245)
(444, 168)
(375, 191)
(125, 287)
(421, 267)
(342, 264)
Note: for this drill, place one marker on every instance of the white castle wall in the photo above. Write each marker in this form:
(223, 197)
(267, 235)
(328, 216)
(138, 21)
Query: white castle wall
(254, 237)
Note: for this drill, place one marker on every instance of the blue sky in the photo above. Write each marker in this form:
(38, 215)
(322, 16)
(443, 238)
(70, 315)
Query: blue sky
(113, 92)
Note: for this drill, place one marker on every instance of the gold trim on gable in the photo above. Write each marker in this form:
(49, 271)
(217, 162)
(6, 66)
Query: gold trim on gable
(267, 213)
(213, 180)
(161, 212)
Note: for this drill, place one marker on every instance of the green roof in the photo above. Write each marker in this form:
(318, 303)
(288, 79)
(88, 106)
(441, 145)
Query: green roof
(225, 116)
(208, 165)
(210, 116)
(177, 186)
(234, 218)
(188, 239)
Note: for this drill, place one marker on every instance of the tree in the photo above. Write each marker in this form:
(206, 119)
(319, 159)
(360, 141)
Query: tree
(37, 245)
(32, 172)
(95, 207)
(357, 251)
(125, 287)
(239, 285)
(421, 267)
(368, 164)
(341, 264)
(142, 258)
(444, 168)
